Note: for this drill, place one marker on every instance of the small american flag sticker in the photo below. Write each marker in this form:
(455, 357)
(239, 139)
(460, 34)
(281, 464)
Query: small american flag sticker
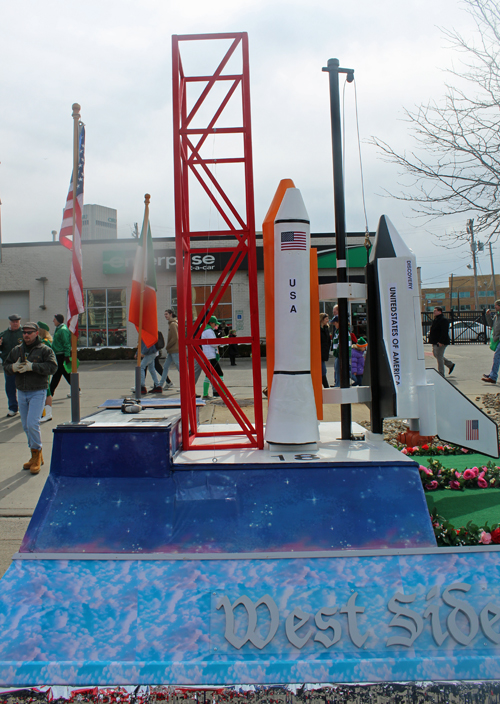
(472, 430)
(293, 239)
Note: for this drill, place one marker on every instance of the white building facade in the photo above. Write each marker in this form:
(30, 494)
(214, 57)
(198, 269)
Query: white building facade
(34, 280)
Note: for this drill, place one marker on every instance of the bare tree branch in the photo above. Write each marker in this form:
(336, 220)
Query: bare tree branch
(457, 167)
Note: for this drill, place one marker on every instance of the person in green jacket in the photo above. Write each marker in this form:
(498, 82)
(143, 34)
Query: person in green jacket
(61, 344)
(46, 338)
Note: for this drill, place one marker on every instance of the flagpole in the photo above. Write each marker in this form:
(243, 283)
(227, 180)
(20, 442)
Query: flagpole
(147, 198)
(75, 385)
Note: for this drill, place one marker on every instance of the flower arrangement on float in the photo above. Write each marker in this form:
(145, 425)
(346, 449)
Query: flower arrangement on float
(436, 477)
(431, 449)
(470, 534)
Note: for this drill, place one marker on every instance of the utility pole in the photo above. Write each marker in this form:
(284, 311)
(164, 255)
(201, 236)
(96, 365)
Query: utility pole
(333, 69)
(493, 273)
(451, 296)
(473, 248)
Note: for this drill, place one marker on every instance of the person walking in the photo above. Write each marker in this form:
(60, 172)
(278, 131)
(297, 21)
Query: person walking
(211, 353)
(148, 355)
(8, 340)
(358, 361)
(172, 346)
(335, 349)
(494, 322)
(61, 344)
(325, 346)
(46, 338)
(31, 363)
(440, 339)
(232, 350)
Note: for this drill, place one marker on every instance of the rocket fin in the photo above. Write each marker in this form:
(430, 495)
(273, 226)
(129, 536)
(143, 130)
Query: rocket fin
(459, 420)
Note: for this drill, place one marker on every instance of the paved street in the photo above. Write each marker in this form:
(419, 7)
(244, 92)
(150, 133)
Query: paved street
(19, 490)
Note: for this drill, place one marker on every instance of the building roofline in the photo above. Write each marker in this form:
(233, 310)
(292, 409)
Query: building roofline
(169, 240)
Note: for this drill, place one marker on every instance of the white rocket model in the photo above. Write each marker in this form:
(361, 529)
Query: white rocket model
(401, 387)
(291, 420)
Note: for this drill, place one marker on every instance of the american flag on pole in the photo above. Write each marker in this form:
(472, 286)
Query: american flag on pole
(293, 239)
(472, 430)
(74, 241)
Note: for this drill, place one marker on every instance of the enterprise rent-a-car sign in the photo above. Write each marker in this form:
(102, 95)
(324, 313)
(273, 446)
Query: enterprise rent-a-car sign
(122, 261)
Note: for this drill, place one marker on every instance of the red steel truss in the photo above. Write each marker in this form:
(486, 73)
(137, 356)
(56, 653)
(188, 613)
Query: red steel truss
(213, 165)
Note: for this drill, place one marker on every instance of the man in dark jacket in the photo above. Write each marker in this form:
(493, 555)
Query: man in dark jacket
(8, 340)
(31, 363)
(494, 322)
(439, 339)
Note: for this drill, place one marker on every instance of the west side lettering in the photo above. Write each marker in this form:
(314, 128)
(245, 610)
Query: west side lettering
(461, 620)
(394, 334)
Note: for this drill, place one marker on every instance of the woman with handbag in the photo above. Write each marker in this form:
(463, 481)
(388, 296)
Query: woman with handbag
(494, 321)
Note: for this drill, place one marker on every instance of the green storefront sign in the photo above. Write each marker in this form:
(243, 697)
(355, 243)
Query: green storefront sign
(356, 258)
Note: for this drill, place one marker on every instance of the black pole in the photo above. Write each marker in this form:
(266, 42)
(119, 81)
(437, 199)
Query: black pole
(340, 235)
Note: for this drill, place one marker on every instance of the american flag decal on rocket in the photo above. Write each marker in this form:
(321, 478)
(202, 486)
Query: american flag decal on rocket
(293, 239)
(472, 430)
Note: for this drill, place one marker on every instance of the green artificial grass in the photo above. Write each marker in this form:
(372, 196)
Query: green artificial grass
(459, 462)
(459, 507)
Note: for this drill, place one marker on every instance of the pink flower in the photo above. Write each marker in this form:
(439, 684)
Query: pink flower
(404, 451)
(464, 450)
(485, 538)
(433, 485)
(425, 469)
(455, 485)
(458, 475)
(469, 474)
(475, 470)
(482, 483)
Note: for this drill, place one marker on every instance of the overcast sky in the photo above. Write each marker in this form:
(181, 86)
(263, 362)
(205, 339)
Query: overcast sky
(114, 58)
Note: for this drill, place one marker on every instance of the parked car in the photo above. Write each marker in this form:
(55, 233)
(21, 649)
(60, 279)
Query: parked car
(469, 331)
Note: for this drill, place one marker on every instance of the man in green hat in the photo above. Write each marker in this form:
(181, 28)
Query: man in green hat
(31, 363)
(8, 340)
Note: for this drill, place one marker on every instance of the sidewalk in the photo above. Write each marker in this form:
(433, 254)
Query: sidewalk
(19, 490)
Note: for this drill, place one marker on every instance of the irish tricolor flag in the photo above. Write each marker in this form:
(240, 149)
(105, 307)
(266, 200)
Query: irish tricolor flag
(142, 310)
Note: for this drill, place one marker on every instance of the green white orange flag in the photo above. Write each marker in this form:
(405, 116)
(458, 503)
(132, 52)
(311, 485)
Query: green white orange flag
(142, 310)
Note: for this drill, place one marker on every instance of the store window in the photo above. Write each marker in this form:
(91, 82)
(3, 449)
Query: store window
(200, 295)
(104, 322)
